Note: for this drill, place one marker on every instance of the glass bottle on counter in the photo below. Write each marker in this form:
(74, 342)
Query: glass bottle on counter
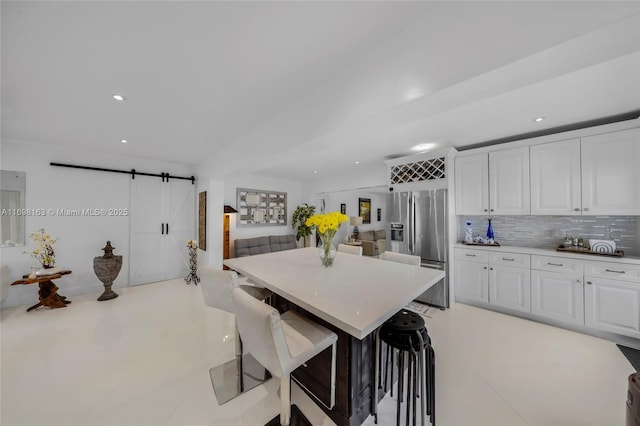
(468, 233)
(490, 233)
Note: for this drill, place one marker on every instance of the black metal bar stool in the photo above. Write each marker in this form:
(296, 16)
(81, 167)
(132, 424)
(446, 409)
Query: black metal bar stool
(406, 333)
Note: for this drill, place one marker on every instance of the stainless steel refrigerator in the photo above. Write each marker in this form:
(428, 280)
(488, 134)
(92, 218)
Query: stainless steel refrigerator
(418, 226)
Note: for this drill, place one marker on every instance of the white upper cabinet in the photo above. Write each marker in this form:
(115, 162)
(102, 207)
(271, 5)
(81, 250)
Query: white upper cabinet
(555, 178)
(509, 182)
(593, 175)
(472, 185)
(611, 173)
(494, 183)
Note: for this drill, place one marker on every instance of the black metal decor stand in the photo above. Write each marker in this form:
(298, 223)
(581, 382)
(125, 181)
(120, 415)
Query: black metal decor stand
(193, 265)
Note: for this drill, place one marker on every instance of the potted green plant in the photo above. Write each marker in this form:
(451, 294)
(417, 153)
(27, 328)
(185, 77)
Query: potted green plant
(299, 219)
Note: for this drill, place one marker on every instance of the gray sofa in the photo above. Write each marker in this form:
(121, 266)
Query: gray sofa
(260, 245)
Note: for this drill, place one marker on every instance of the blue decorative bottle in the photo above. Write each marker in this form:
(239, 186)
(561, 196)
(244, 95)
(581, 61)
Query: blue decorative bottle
(490, 232)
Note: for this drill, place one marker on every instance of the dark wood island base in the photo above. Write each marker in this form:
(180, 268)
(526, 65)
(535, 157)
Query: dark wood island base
(354, 373)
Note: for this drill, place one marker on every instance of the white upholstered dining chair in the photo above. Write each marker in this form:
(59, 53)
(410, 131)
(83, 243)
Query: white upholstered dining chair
(345, 248)
(400, 258)
(282, 343)
(243, 373)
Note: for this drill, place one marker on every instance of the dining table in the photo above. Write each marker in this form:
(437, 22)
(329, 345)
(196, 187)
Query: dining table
(353, 298)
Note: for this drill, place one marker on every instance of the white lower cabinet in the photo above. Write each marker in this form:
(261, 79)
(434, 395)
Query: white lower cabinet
(613, 305)
(510, 288)
(557, 296)
(472, 281)
(500, 279)
(598, 295)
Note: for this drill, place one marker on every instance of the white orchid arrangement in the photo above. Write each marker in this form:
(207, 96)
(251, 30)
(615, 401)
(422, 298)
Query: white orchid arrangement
(43, 252)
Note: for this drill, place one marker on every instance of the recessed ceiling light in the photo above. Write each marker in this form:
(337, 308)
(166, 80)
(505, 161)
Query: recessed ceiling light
(124, 140)
(315, 172)
(413, 93)
(357, 162)
(118, 97)
(424, 147)
(539, 119)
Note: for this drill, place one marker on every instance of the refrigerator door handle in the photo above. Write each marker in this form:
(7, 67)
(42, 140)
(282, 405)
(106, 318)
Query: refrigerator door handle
(411, 223)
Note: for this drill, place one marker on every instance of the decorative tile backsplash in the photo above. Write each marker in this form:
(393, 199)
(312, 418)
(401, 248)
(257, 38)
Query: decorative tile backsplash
(550, 231)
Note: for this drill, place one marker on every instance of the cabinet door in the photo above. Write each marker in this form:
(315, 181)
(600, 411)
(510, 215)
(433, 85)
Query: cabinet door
(510, 288)
(509, 182)
(472, 281)
(611, 173)
(613, 305)
(555, 178)
(557, 296)
(472, 185)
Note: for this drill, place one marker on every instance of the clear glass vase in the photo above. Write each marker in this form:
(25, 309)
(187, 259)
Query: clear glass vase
(326, 251)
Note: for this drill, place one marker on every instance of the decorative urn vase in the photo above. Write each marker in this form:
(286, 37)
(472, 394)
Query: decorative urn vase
(107, 268)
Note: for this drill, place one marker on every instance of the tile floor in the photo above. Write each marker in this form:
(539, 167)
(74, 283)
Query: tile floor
(143, 359)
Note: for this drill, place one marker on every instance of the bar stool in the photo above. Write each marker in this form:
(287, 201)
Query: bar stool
(398, 332)
(406, 332)
(282, 343)
(237, 376)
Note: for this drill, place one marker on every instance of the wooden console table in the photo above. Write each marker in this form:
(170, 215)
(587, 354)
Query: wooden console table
(48, 292)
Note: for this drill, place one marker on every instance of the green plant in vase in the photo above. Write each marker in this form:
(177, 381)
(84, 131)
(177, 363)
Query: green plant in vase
(299, 220)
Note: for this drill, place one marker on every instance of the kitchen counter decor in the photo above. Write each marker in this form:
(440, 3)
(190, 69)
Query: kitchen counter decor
(584, 250)
(493, 244)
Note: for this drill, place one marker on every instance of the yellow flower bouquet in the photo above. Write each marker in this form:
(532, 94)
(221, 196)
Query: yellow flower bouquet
(326, 225)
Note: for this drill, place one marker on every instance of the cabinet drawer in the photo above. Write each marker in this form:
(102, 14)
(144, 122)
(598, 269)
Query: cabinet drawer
(510, 259)
(557, 264)
(472, 255)
(613, 270)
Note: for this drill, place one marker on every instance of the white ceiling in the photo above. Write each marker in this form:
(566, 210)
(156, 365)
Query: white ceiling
(286, 88)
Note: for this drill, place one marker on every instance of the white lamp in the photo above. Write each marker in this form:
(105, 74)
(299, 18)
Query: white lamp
(355, 221)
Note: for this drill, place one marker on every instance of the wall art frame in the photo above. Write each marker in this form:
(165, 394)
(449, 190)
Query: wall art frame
(258, 207)
(202, 220)
(364, 209)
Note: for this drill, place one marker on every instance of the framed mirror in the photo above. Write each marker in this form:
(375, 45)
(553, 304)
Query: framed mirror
(12, 206)
(258, 207)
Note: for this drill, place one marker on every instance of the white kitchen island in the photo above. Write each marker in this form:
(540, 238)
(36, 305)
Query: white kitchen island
(353, 298)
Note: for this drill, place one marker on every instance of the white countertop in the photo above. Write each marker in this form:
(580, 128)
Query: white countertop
(356, 295)
(552, 252)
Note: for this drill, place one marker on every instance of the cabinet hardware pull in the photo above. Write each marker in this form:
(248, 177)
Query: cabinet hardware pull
(491, 209)
(510, 260)
(163, 229)
(555, 264)
(586, 209)
(589, 282)
(578, 281)
(576, 209)
(167, 229)
(491, 269)
(485, 210)
(617, 272)
(485, 267)
(470, 255)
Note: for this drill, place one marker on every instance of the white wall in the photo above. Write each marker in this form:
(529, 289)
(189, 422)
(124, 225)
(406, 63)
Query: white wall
(80, 238)
(295, 197)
